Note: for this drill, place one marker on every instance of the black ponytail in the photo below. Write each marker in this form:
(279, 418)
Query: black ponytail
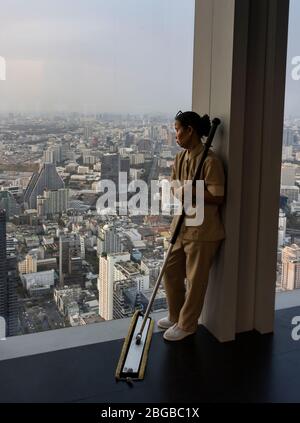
(200, 124)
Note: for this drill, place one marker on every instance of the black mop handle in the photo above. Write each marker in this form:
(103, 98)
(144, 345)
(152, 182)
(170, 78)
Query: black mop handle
(215, 123)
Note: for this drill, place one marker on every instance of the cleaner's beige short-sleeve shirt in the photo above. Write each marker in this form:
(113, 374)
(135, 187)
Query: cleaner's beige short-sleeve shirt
(184, 168)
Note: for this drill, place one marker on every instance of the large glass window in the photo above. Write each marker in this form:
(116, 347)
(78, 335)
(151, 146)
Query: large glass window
(288, 259)
(87, 89)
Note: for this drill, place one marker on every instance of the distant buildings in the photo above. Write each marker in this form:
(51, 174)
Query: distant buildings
(79, 306)
(288, 262)
(87, 152)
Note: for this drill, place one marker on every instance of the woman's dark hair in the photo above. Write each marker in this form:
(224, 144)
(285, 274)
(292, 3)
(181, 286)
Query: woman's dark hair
(200, 124)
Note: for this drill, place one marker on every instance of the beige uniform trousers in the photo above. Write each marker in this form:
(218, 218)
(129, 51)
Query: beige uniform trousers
(191, 260)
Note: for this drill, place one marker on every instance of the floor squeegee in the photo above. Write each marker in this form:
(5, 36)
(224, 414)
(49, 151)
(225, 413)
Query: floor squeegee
(134, 354)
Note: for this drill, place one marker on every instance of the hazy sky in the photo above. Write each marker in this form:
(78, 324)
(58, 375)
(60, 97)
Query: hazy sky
(97, 55)
(292, 97)
(131, 56)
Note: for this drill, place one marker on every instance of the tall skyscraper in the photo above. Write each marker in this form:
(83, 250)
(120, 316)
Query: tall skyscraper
(110, 168)
(87, 132)
(106, 282)
(12, 297)
(46, 179)
(281, 228)
(9, 204)
(125, 168)
(69, 256)
(3, 267)
(8, 282)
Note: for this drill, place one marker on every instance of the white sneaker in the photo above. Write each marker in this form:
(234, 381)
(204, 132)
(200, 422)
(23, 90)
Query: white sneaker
(165, 323)
(174, 333)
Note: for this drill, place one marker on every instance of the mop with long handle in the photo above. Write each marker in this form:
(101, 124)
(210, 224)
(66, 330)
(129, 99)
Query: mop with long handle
(132, 362)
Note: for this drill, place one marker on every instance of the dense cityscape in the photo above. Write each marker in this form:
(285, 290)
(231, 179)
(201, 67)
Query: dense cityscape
(63, 263)
(67, 265)
(288, 258)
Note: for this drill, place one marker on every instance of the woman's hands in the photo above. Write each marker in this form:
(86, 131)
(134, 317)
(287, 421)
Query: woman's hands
(208, 197)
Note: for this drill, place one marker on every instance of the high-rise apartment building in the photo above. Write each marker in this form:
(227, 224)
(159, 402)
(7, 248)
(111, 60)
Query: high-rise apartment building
(109, 240)
(281, 228)
(8, 282)
(52, 202)
(3, 267)
(53, 154)
(106, 282)
(290, 277)
(12, 297)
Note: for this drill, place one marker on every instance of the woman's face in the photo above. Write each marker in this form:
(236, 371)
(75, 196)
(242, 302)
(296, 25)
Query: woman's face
(183, 135)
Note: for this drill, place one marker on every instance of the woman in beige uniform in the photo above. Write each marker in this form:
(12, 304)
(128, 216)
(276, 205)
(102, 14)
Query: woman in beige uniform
(196, 246)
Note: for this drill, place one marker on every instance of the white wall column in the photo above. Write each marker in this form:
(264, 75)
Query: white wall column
(239, 76)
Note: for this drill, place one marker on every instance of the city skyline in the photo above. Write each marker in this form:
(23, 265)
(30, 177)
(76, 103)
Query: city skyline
(55, 236)
(64, 259)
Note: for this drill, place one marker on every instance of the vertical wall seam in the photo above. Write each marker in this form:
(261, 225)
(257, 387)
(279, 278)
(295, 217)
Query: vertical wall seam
(262, 133)
(211, 54)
